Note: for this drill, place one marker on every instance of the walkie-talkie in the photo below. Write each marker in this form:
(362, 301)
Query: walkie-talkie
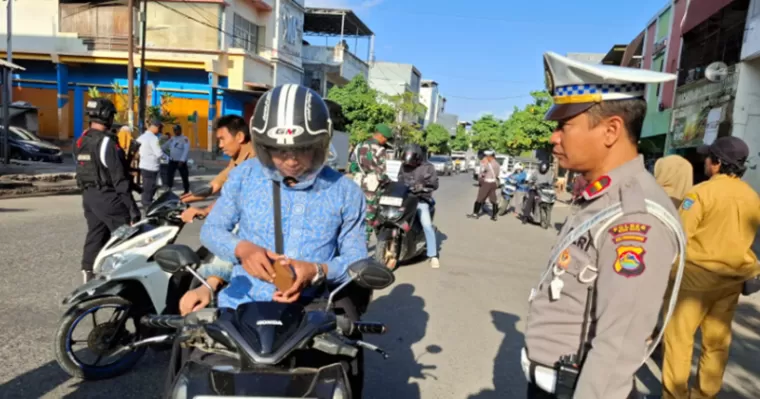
(568, 370)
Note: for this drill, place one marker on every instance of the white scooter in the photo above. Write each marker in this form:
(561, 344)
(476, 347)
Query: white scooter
(129, 284)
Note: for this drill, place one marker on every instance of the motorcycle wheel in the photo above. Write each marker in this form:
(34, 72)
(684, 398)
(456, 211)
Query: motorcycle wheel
(99, 340)
(545, 220)
(386, 252)
(503, 206)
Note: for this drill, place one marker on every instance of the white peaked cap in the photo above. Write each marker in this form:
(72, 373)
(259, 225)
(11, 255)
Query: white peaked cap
(575, 86)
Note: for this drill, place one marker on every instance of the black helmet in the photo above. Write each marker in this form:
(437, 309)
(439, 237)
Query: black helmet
(543, 168)
(101, 110)
(177, 129)
(412, 155)
(291, 117)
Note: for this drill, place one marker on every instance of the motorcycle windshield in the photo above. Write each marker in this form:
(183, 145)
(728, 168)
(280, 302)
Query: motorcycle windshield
(165, 203)
(396, 189)
(266, 326)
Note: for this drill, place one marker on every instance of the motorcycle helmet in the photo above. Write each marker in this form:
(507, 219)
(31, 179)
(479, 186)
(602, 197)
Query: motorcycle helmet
(543, 168)
(291, 118)
(412, 155)
(101, 110)
(518, 166)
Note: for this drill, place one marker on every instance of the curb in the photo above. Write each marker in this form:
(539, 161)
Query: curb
(39, 193)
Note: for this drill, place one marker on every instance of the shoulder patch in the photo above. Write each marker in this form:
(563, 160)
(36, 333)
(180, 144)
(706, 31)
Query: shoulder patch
(630, 261)
(688, 201)
(635, 232)
(597, 187)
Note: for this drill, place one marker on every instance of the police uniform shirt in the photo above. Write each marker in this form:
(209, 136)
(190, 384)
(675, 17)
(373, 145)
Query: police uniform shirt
(630, 259)
(179, 148)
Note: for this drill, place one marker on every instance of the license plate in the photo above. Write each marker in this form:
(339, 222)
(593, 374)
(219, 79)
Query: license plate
(391, 201)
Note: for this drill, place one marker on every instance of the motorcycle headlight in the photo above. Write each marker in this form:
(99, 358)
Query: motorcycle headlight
(392, 213)
(111, 263)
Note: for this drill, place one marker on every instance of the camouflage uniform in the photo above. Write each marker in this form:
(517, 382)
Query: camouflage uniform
(370, 165)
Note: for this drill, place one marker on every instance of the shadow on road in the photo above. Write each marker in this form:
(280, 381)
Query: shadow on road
(144, 381)
(440, 237)
(507, 372)
(404, 314)
(13, 210)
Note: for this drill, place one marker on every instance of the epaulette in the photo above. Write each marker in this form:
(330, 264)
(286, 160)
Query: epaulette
(595, 189)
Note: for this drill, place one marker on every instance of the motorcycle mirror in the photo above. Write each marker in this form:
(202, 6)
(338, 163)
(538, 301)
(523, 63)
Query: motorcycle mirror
(203, 191)
(371, 274)
(174, 258)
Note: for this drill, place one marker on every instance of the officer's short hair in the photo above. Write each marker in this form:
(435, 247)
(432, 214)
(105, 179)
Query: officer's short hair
(234, 125)
(632, 111)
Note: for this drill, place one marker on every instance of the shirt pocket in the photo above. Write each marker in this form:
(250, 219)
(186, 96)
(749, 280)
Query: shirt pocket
(577, 270)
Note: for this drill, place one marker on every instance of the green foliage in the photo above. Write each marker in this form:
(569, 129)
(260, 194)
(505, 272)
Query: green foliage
(360, 106)
(460, 142)
(525, 130)
(437, 139)
(408, 112)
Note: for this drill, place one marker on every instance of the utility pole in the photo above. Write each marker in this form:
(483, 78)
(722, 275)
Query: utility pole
(143, 77)
(8, 88)
(131, 65)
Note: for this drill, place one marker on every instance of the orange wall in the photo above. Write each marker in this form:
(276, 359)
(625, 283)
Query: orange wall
(181, 109)
(46, 101)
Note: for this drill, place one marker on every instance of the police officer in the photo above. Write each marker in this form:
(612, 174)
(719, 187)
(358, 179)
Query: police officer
(179, 148)
(597, 303)
(102, 174)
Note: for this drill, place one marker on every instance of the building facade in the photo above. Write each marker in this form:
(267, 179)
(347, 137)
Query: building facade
(431, 99)
(393, 79)
(202, 58)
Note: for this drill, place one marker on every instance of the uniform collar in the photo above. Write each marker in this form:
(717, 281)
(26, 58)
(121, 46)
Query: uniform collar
(598, 187)
(246, 152)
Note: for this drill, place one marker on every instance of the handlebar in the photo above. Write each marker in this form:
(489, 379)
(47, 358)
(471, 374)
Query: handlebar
(348, 327)
(163, 321)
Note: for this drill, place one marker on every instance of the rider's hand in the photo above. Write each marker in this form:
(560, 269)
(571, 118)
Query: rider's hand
(255, 261)
(305, 273)
(418, 188)
(194, 300)
(191, 213)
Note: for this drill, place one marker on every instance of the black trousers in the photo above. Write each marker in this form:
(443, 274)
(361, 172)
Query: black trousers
(104, 213)
(534, 392)
(183, 173)
(149, 186)
(530, 200)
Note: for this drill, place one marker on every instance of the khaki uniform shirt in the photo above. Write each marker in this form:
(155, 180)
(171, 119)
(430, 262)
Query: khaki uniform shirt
(246, 152)
(631, 258)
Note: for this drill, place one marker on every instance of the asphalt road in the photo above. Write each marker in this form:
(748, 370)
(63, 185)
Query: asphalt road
(455, 332)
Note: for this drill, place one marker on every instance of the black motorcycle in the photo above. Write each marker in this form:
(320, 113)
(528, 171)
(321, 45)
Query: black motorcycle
(266, 349)
(399, 231)
(545, 197)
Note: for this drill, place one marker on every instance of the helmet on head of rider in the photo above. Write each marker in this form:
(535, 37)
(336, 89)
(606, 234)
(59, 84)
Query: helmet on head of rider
(543, 168)
(518, 166)
(291, 131)
(412, 155)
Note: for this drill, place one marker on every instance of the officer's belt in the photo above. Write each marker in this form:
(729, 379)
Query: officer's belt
(544, 377)
(606, 217)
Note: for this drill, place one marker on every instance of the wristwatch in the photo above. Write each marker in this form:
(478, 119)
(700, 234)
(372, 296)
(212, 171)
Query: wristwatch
(320, 276)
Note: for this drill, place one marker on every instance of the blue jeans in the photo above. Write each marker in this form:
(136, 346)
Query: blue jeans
(423, 209)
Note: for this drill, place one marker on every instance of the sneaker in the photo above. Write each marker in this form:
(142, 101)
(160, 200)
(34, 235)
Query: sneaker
(87, 276)
(473, 216)
(434, 263)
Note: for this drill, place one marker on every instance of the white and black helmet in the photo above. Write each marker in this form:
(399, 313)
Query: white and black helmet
(291, 117)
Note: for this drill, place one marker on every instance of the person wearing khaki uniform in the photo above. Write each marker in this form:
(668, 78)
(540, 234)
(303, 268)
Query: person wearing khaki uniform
(597, 303)
(720, 218)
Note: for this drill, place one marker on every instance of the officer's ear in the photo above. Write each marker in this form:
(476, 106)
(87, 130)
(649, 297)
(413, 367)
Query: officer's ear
(613, 130)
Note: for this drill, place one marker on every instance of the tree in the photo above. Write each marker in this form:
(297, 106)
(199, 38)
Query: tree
(437, 139)
(461, 141)
(526, 129)
(361, 108)
(487, 134)
(408, 111)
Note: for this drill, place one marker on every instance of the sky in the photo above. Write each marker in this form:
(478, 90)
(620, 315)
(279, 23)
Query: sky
(486, 55)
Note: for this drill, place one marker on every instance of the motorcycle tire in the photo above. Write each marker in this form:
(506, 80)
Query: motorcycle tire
(545, 220)
(65, 358)
(380, 249)
(503, 206)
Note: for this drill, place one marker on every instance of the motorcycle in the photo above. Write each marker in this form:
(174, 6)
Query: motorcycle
(265, 349)
(399, 231)
(542, 206)
(508, 188)
(128, 283)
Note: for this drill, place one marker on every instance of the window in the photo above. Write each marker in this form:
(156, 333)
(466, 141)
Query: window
(246, 34)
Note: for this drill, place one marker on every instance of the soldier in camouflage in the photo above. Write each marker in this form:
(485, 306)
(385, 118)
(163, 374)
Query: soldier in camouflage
(369, 170)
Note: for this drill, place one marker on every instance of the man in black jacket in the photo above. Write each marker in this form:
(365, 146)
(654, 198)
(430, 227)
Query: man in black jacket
(420, 176)
(103, 176)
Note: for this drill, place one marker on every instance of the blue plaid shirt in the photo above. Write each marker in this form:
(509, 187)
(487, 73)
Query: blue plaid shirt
(322, 222)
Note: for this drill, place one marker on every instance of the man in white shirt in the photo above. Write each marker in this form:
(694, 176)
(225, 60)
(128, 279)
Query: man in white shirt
(150, 157)
(179, 148)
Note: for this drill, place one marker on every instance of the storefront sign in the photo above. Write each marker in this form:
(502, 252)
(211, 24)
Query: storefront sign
(290, 33)
(694, 102)
(713, 122)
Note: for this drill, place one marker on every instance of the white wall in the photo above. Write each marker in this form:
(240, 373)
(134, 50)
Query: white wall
(429, 98)
(751, 45)
(35, 28)
(746, 116)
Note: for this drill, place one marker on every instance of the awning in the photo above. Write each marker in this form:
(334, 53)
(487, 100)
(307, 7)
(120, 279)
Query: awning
(9, 65)
(699, 11)
(635, 48)
(333, 22)
(615, 55)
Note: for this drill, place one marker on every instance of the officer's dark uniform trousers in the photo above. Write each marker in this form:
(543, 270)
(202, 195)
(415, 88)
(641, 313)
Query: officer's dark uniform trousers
(104, 213)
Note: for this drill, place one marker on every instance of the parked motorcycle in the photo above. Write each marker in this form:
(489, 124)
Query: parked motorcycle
(129, 284)
(508, 188)
(399, 231)
(266, 349)
(542, 206)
